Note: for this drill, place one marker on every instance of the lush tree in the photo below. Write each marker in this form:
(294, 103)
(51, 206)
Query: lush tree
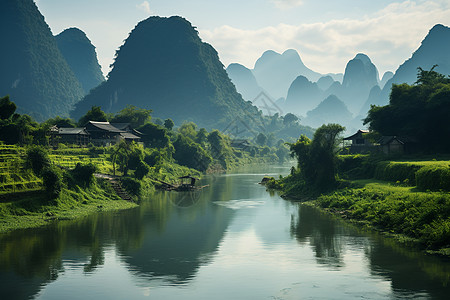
(7, 108)
(317, 158)
(37, 159)
(133, 115)
(94, 114)
(121, 156)
(202, 136)
(216, 142)
(191, 154)
(168, 123)
(52, 180)
(188, 130)
(418, 111)
(282, 152)
(261, 139)
(60, 122)
(83, 175)
(154, 135)
(290, 119)
(141, 170)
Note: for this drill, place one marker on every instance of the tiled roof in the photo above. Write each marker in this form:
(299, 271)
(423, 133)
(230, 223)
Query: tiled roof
(104, 126)
(64, 131)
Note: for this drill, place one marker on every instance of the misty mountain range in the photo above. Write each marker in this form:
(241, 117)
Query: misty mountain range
(302, 91)
(163, 65)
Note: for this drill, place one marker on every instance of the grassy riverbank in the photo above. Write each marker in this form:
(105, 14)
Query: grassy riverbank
(417, 216)
(408, 199)
(34, 209)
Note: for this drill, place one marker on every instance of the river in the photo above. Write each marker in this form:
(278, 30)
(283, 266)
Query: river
(231, 240)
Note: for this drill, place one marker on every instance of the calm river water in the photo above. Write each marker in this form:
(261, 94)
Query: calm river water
(232, 240)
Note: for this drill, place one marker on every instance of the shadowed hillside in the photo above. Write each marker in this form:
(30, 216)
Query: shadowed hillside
(164, 66)
(80, 54)
(34, 72)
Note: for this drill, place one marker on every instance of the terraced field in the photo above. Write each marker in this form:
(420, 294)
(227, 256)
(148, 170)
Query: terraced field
(15, 177)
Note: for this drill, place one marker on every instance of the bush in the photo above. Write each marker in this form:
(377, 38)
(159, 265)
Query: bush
(37, 159)
(433, 178)
(51, 178)
(396, 171)
(141, 170)
(131, 185)
(83, 175)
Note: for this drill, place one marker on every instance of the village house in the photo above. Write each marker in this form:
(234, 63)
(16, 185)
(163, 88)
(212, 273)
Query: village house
(359, 144)
(398, 145)
(105, 134)
(73, 136)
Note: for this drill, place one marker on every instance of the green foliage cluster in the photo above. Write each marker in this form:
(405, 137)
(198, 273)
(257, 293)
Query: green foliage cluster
(83, 175)
(396, 171)
(52, 180)
(433, 178)
(16, 128)
(317, 159)
(191, 154)
(421, 215)
(37, 159)
(420, 111)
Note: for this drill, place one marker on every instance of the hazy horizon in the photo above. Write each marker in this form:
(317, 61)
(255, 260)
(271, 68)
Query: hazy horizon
(325, 33)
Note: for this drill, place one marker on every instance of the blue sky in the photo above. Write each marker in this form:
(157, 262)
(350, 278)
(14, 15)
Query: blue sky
(326, 33)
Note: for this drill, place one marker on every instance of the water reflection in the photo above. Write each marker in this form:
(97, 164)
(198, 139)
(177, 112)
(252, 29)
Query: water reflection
(228, 235)
(411, 273)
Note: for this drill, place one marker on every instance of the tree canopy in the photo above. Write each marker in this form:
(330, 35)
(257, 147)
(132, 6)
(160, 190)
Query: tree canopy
(420, 111)
(133, 115)
(94, 114)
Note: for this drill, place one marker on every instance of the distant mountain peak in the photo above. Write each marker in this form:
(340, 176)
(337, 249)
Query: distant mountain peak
(364, 58)
(80, 54)
(165, 66)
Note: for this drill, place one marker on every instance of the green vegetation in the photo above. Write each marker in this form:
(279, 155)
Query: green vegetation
(35, 178)
(317, 163)
(420, 111)
(400, 195)
(423, 216)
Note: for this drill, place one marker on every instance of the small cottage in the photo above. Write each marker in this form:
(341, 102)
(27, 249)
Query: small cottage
(105, 134)
(398, 144)
(73, 136)
(359, 144)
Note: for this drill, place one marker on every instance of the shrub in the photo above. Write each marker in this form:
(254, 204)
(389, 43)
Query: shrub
(51, 178)
(395, 171)
(37, 159)
(131, 185)
(83, 175)
(141, 170)
(433, 178)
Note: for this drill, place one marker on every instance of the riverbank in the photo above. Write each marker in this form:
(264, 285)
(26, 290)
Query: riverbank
(36, 209)
(405, 213)
(410, 203)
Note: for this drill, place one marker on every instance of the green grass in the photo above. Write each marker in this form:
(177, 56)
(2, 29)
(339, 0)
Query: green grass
(36, 209)
(424, 216)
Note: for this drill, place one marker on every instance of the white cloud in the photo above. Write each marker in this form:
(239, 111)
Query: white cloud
(144, 6)
(389, 37)
(286, 4)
